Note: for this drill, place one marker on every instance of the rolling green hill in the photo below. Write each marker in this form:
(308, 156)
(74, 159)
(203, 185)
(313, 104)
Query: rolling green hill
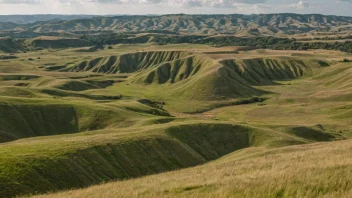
(224, 79)
(263, 71)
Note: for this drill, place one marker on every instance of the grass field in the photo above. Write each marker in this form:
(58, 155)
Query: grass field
(260, 123)
(315, 170)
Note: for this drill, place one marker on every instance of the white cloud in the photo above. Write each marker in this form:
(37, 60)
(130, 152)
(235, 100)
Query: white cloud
(300, 5)
(20, 1)
(191, 3)
(100, 7)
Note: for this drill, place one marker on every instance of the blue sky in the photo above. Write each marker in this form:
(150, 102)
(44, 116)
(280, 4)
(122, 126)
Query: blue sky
(102, 7)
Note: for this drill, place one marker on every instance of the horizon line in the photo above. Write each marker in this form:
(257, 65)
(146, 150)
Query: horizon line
(174, 14)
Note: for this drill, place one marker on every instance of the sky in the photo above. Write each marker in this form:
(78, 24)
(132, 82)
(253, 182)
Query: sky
(139, 7)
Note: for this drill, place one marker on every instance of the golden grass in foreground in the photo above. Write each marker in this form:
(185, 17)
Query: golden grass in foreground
(315, 170)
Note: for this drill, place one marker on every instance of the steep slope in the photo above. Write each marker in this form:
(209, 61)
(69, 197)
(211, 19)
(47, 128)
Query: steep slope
(8, 45)
(18, 121)
(37, 117)
(126, 63)
(339, 76)
(70, 84)
(262, 71)
(173, 71)
(217, 82)
(337, 82)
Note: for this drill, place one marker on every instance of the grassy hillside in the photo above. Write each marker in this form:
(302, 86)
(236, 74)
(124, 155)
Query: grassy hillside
(317, 170)
(122, 154)
(209, 78)
(8, 45)
(26, 121)
(339, 78)
(38, 117)
(180, 69)
(56, 42)
(126, 63)
(263, 71)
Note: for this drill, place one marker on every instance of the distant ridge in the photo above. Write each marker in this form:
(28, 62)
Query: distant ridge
(263, 24)
(24, 19)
